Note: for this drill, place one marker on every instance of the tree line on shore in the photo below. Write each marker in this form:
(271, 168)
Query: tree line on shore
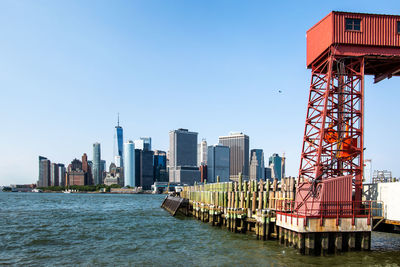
(84, 188)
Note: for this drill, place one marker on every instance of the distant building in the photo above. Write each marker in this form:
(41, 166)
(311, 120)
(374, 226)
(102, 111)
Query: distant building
(186, 175)
(183, 157)
(275, 163)
(203, 173)
(144, 143)
(54, 175)
(202, 153)
(78, 172)
(137, 167)
(112, 178)
(75, 174)
(118, 145)
(129, 160)
(384, 176)
(87, 169)
(118, 161)
(103, 169)
(160, 166)
(44, 172)
(257, 165)
(238, 144)
(97, 166)
(268, 173)
(62, 174)
(218, 163)
(115, 175)
(146, 169)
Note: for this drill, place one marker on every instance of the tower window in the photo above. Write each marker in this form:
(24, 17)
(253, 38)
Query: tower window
(353, 24)
(398, 27)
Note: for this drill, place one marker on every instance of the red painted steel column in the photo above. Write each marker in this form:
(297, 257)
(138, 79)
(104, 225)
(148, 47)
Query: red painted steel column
(333, 135)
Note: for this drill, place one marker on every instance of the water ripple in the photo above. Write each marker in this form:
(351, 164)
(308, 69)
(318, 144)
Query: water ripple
(132, 230)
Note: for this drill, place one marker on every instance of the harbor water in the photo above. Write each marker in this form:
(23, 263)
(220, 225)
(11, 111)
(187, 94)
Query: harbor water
(49, 229)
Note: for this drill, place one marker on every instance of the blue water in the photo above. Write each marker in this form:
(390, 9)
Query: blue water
(132, 230)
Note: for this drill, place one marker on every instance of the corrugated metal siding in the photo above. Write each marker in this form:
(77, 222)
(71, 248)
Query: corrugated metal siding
(376, 30)
(336, 197)
(338, 189)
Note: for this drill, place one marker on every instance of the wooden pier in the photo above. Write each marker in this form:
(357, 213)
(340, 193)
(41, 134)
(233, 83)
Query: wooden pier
(264, 208)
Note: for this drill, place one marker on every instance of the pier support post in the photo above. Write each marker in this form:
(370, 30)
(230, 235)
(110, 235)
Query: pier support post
(366, 241)
(301, 243)
(286, 237)
(324, 243)
(352, 241)
(310, 244)
(338, 242)
(256, 226)
(290, 238)
(267, 229)
(281, 235)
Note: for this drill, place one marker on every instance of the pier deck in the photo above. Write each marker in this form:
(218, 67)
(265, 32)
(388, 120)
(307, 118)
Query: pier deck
(267, 209)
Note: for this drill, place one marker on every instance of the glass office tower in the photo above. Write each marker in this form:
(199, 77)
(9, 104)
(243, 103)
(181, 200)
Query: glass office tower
(118, 145)
(275, 163)
(218, 163)
(97, 165)
(129, 160)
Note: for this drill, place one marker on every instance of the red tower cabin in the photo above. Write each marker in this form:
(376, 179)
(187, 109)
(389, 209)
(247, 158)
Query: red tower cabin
(341, 49)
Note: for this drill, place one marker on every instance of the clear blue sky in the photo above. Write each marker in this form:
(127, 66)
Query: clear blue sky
(67, 68)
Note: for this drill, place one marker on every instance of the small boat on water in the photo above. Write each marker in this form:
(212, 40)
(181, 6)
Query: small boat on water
(67, 191)
(35, 190)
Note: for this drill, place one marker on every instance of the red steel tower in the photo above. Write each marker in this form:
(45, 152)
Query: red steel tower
(341, 49)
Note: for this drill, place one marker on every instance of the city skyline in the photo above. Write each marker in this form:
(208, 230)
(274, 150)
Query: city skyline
(204, 59)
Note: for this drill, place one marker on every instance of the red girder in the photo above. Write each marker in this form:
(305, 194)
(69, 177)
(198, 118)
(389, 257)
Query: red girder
(336, 107)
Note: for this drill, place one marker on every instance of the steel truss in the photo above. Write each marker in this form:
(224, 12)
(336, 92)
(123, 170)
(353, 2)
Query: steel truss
(333, 135)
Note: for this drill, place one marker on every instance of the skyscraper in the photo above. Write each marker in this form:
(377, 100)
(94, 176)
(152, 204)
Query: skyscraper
(268, 173)
(275, 163)
(144, 143)
(183, 157)
(86, 168)
(137, 167)
(44, 172)
(118, 145)
(238, 144)
(218, 163)
(54, 179)
(253, 166)
(146, 169)
(257, 164)
(61, 174)
(202, 153)
(160, 166)
(129, 160)
(97, 168)
(75, 174)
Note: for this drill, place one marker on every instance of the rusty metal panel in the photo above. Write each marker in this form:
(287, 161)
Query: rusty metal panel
(376, 30)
